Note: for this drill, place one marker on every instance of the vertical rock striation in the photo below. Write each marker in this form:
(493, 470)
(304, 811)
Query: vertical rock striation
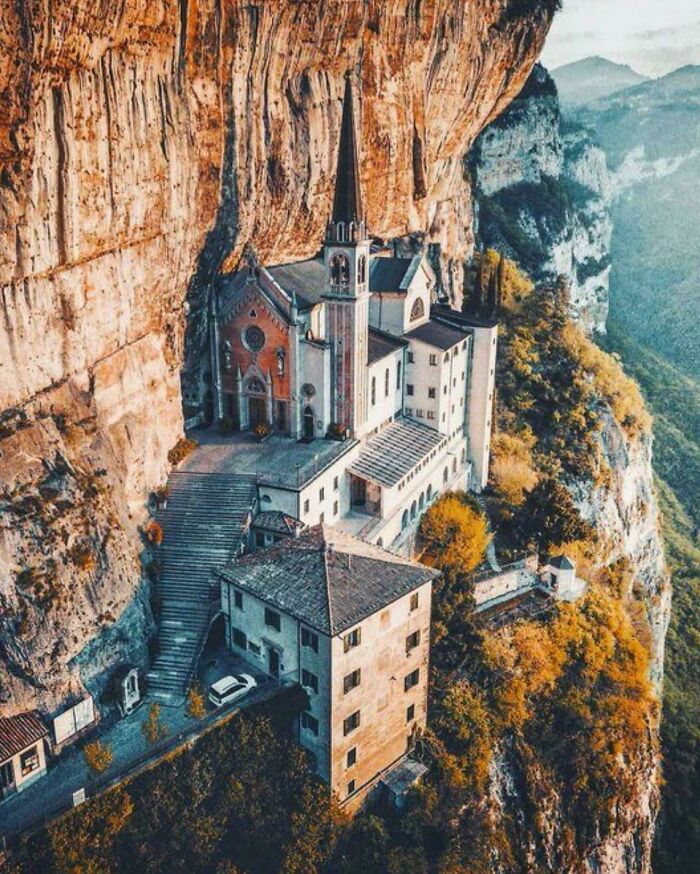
(143, 143)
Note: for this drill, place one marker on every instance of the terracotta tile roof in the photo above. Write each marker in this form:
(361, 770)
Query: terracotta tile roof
(19, 732)
(326, 578)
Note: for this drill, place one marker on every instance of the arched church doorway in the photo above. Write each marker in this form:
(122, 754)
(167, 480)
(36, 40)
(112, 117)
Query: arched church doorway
(308, 421)
(256, 412)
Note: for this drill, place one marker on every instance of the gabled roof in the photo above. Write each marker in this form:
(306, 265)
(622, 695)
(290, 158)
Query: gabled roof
(437, 334)
(19, 732)
(391, 274)
(445, 313)
(305, 279)
(326, 578)
(562, 562)
(277, 521)
(382, 344)
(347, 202)
(395, 451)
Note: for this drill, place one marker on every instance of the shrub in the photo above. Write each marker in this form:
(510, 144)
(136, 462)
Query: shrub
(152, 728)
(196, 706)
(98, 756)
(181, 450)
(512, 468)
(154, 533)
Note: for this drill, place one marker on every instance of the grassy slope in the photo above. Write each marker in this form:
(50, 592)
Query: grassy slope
(675, 402)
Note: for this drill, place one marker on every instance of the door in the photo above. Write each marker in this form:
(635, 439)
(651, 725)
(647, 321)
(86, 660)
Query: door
(309, 423)
(256, 412)
(273, 662)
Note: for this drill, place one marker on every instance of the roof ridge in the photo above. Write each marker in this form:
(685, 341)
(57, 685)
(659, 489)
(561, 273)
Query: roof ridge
(326, 547)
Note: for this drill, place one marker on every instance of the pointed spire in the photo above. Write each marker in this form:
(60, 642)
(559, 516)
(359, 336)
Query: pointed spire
(347, 203)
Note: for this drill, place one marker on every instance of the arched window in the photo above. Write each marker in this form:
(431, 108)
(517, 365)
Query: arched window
(340, 232)
(418, 309)
(413, 510)
(429, 492)
(454, 465)
(386, 383)
(374, 390)
(308, 422)
(266, 499)
(340, 270)
(380, 542)
(445, 475)
(255, 386)
(404, 520)
(421, 501)
(361, 270)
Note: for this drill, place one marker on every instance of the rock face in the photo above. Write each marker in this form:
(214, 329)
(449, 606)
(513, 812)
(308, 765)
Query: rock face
(142, 145)
(542, 196)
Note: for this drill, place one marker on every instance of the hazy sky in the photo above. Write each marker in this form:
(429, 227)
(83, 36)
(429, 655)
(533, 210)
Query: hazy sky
(652, 36)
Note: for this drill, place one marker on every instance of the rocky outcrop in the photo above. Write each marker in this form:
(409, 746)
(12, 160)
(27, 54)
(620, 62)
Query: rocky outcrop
(142, 145)
(542, 197)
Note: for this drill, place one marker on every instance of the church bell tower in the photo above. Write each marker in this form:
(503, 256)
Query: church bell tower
(346, 257)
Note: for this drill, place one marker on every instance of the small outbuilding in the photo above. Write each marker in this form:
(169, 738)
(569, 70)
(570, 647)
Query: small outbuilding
(23, 751)
(560, 575)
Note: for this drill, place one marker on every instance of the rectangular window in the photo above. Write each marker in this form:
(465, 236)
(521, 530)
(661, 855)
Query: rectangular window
(309, 722)
(351, 723)
(335, 508)
(414, 601)
(398, 375)
(420, 414)
(254, 648)
(409, 411)
(431, 392)
(447, 356)
(7, 774)
(335, 483)
(309, 680)
(306, 506)
(352, 639)
(374, 390)
(309, 639)
(239, 638)
(386, 383)
(351, 758)
(409, 389)
(431, 414)
(411, 713)
(321, 517)
(238, 600)
(444, 390)
(412, 641)
(351, 681)
(272, 619)
(411, 680)
(411, 358)
(321, 495)
(433, 360)
(29, 761)
(351, 787)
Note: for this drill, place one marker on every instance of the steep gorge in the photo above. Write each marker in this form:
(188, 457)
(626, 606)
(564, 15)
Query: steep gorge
(142, 146)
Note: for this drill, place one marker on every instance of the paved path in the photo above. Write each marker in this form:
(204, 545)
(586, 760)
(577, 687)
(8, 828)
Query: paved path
(52, 794)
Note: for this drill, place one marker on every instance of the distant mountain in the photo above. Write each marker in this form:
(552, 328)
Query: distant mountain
(651, 136)
(592, 78)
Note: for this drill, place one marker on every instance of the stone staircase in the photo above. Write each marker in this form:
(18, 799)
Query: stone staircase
(203, 524)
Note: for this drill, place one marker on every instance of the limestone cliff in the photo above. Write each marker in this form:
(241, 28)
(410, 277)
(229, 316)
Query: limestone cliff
(542, 194)
(142, 145)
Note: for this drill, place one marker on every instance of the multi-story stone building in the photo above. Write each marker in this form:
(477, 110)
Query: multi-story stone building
(350, 622)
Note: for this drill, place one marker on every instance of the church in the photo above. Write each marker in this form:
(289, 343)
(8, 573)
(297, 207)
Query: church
(353, 346)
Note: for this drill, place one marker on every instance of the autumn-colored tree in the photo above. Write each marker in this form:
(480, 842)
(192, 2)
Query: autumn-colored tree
(98, 756)
(453, 534)
(152, 728)
(512, 468)
(154, 533)
(196, 703)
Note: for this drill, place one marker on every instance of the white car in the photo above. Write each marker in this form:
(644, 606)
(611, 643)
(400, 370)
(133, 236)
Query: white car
(231, 688)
